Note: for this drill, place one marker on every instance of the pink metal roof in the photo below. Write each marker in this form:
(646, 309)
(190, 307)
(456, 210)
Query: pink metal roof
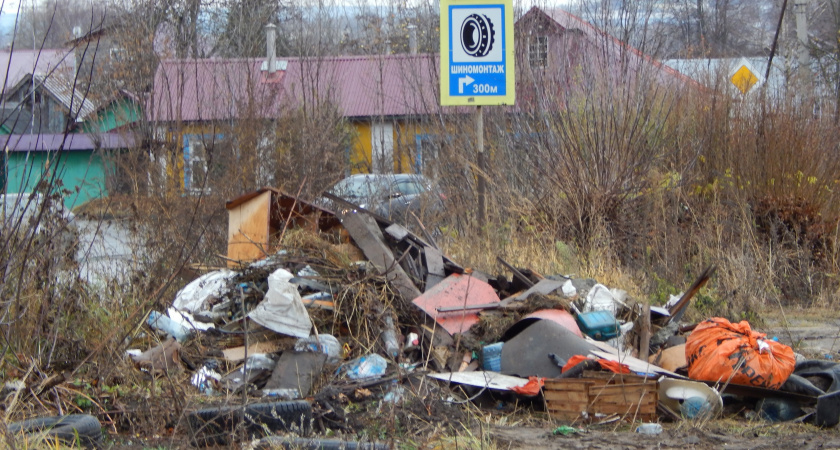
(212, 90)
(24, 62)
(373, 85)
(361, 86)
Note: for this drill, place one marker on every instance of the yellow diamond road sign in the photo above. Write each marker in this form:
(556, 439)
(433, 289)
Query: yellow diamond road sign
(744, 79)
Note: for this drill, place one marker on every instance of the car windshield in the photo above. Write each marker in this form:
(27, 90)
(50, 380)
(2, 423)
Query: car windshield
(355, 187)
(409, 187)
(378, 187)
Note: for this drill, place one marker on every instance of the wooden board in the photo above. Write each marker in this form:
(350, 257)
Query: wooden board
(236, 354)
(396, 231)
(435, 272)
(569, 396)
(367, 235)
(249, 230)
(630, 396)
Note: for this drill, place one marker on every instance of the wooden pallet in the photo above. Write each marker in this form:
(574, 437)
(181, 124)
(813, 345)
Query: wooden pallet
(579, 399)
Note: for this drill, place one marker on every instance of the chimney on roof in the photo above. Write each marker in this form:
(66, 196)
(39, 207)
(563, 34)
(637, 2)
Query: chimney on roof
(387, 46)
(412, 39)
(270, 41)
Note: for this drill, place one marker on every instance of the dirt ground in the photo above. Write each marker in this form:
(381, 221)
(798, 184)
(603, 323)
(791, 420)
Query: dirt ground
(815, 333)
(676, 436)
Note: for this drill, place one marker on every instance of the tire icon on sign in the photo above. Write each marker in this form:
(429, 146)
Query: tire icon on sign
(477, 35)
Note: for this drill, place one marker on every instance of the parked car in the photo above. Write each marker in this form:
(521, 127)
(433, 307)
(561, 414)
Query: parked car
(393, 196)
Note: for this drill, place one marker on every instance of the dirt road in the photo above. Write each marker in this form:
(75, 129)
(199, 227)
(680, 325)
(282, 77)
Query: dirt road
(730, 435)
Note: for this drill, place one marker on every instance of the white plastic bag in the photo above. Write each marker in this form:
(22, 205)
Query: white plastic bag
(194, 296)
(602, 298)
(323, 343)
(282, 309)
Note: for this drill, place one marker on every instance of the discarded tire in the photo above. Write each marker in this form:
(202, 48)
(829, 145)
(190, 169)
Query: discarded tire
(71, 429)
(213, 426)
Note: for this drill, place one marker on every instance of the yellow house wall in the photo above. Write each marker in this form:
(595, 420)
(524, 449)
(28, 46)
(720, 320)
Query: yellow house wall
(360, 152)
(405, 145)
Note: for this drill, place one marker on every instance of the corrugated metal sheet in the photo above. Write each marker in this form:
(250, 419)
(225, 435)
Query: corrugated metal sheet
(69, 95)
(70, 142)
(24, 62)
(366, 86)
(212, 90)
(361, 86)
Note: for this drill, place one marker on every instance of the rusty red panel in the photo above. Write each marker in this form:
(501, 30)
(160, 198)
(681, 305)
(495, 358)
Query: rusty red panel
(557, 316)
(456, 291)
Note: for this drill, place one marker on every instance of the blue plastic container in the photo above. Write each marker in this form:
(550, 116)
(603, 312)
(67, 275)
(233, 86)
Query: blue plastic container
(599, 325)
(491, 356)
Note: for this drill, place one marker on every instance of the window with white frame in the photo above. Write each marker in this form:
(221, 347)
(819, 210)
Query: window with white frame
(382, 147)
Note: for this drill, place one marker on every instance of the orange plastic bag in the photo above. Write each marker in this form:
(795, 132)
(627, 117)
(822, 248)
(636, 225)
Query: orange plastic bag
(612, 366)
(717, 350)
(531, 388)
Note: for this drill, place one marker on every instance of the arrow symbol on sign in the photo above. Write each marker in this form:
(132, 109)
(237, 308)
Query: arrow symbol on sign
(464, 81)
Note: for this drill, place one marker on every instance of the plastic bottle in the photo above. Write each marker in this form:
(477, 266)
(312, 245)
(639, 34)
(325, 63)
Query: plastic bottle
(369, 366)
(649, 428)
(163, 323)
(389, 338)
(694, 407)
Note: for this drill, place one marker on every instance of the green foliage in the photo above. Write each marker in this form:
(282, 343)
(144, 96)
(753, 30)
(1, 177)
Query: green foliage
(662, 290)
(707, 305)
(82, 402)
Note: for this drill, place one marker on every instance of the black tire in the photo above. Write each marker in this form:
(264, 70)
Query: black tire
(212, 426)
(71, 429)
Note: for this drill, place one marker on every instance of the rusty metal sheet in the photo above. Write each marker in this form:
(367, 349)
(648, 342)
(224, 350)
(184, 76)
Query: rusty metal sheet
(456, 290)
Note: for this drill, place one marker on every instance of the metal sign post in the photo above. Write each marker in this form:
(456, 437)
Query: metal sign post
(477, 64)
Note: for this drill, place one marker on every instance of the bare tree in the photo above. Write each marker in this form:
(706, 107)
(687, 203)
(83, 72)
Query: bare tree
(50, 24)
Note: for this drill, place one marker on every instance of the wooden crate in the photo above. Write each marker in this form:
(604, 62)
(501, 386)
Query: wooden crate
(629, 396)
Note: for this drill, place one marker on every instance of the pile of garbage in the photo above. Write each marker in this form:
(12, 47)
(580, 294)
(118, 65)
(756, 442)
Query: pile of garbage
(363, 308)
